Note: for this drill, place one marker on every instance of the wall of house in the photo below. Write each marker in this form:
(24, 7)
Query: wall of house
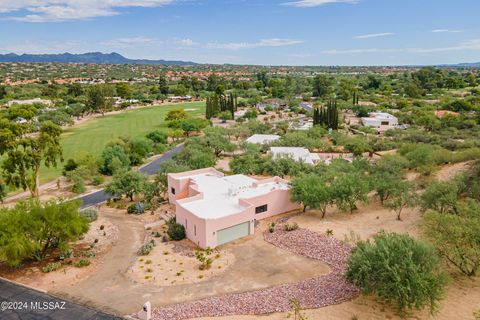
(277, 201)
(195, 227)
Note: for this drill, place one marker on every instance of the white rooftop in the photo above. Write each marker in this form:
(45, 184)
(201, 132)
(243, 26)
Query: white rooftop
(263, 138)
(381, 115)
(297, 154)
(221, 194)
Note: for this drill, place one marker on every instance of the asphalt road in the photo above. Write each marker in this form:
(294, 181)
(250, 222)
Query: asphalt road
(149, 169)
(22, 303)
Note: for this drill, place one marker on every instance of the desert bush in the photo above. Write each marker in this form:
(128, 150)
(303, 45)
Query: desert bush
(82, 263)
(97, 180)
(290, 227)
(136, 208)
(146, 248)
(175, 230)
(399, 270)
(203, 257)
(53, 266)
(89, 214)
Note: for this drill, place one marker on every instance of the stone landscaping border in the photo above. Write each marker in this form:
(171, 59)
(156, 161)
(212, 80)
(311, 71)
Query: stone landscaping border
(312, 293)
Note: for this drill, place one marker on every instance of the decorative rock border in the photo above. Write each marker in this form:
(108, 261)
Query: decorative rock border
(312, 293)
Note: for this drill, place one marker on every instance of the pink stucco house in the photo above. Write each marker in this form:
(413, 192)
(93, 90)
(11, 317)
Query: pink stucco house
(216, 209)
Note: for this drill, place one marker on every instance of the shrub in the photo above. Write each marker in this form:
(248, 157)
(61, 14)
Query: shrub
(202, 257)
(457, 236)
(97, 180)
(290, 227)
(175, 230)
(136, 208)
(146, 248)
(78, 186)
(82, 263)
(89, 214)
(271, 227)
(399, 270)
(53, 266)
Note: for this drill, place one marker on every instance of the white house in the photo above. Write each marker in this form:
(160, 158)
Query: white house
(379, 120)
(263, 138)
(297, 154)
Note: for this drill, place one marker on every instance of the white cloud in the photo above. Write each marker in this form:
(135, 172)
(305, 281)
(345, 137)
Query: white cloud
(317, 3)
(186, 42)
(276, 42)
(130, 42)
(469, 45)
(64, 10)
(45, 47)
(445, 31)
(374, 35)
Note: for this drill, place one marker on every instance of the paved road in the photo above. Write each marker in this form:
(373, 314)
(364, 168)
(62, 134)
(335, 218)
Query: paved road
(38, 305)
(149, 169)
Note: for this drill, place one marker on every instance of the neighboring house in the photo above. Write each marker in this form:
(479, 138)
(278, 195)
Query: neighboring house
(367, 103)
(380, 120)
(30, 101)
(302, 125)
(263, 138)
(216, 209)
(328, 157)
(239, 113)
(297, 154)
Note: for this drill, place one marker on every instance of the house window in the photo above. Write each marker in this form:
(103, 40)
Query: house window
(261, 209)
(385, 123)
(186, 224)
(172, 190)
(195, 229)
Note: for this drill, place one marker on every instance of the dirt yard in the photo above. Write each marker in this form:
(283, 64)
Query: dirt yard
(175, 263)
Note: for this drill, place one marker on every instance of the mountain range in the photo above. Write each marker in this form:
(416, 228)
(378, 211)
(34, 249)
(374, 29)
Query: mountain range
(90, 57)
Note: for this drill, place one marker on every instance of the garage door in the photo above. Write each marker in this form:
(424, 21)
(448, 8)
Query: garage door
(233, 233)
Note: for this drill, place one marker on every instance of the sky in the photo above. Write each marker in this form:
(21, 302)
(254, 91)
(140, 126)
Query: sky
(263, 32)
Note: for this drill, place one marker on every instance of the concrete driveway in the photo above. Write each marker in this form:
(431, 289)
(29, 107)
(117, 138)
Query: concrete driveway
(258, 265)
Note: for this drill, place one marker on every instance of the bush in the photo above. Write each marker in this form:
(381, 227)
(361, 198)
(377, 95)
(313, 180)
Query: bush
(97, 180)
(290, 227)
(136, 208)
(82, 263)
(53, 266)
(175, 230)
(146, 248)
(89, 214)
(399, 270)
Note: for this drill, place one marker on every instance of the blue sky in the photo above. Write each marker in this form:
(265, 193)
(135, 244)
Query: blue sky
(271, 32)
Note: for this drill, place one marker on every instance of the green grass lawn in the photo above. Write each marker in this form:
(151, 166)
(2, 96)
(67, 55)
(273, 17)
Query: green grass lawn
(95, 134)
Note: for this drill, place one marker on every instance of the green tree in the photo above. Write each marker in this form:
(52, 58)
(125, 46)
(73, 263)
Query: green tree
(128, 183)
(163, 85)
(3, 92)
(26, 153)
(399, 270)
(113, 158)
(158, 137)
(456, 236)
(99, 99)
(215, 139)
(3, 191)
(440, 196)
(177, 114)
(348, 189)
(32, 229)
(312, 191)
(321, 86)
(402, 196)
(123, 90)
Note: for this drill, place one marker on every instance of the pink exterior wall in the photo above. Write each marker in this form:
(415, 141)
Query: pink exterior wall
(277, 201)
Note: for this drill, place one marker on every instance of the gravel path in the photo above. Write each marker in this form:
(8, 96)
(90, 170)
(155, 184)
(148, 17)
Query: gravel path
(312, 293)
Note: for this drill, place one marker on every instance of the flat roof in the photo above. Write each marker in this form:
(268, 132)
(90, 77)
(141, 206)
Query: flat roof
(262, 138)
(296, 153)
(221, 195)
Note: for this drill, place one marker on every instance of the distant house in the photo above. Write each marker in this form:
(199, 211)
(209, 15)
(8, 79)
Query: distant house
(263, 138)
(367, 103)
(380, 120)
(302, 125)
(30, 101)
(216, 209)
(239, 113)
(295, 153)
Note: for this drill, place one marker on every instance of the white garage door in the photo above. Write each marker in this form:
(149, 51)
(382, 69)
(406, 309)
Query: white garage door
(233, 233)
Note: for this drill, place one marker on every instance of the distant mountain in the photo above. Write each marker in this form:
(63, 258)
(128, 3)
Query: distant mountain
(471, 64)
(90, 57)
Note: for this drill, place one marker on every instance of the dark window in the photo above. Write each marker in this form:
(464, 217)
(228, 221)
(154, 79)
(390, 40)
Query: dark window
(385, 123)
(172, 190)
(261, 209)
(194, 229)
